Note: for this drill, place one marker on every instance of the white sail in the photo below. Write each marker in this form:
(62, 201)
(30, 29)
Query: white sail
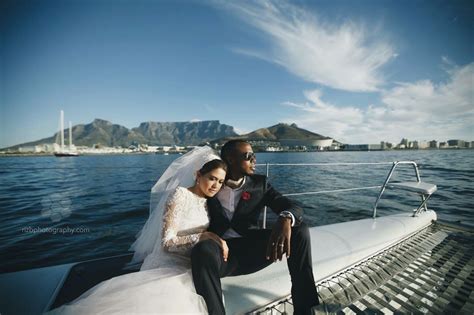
(62, 130)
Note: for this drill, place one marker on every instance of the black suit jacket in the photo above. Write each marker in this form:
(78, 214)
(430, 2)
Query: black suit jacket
(256, 194)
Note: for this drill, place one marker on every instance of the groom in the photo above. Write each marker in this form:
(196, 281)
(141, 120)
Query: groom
(234, 216)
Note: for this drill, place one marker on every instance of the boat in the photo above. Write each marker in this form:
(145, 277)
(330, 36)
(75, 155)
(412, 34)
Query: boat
(409, 262)
(63, 152)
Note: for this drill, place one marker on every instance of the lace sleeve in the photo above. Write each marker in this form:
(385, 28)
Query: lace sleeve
(172, 241)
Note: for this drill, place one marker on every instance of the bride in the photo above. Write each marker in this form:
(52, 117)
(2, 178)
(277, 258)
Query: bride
(178, 220)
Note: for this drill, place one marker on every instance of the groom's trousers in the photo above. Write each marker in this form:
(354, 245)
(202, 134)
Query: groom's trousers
(248, 255)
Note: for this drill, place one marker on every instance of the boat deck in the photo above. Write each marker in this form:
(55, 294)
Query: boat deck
(430, 272)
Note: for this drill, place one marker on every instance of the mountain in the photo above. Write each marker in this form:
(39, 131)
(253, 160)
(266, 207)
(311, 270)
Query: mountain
(181, 133)
(283, 132)
(173, 133)
(152, 133)
(105, 133)
(277, 133)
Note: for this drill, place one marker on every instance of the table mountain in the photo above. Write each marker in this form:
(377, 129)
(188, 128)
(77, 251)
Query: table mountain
(181, 133)
(152, 133)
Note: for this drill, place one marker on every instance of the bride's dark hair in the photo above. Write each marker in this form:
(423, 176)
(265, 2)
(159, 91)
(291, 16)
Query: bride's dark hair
(212, 165)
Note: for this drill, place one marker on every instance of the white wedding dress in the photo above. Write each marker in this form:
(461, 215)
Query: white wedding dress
(164, 284)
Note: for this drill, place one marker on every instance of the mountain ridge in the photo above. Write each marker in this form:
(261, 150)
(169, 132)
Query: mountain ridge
(276, 133)
(283, 131)
(106, 133)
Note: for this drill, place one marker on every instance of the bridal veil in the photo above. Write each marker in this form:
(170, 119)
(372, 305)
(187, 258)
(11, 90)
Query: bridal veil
(181, 172)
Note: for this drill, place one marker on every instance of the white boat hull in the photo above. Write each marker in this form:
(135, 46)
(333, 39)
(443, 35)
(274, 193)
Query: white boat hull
(335, 247)
(60, 154)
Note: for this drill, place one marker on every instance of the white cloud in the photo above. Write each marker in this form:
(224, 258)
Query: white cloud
(420, 111)
(346, 57)
(195, 120)
(325, 118)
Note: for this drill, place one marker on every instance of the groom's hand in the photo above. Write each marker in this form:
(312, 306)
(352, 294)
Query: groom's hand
(279, 242)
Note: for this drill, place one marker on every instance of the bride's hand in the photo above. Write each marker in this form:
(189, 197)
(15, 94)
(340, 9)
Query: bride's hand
(222, 243)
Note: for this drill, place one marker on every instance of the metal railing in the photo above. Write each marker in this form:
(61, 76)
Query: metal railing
(424, 198)
(382, 187)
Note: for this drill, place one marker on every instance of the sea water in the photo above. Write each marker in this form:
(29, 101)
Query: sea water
(61, 210)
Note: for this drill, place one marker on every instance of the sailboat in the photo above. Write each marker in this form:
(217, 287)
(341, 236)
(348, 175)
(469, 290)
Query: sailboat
(63, 151)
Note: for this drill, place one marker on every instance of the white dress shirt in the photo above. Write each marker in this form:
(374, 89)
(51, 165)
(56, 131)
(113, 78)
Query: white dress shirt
(229, 199)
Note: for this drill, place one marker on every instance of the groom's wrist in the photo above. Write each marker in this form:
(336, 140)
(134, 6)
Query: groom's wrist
(288, 215)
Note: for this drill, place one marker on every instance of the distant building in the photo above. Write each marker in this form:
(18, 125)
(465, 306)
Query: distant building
(291, 144)
(376, 146)
(386, 145)
(168, 149)
(318, 144)
(404, 144)
(30, 149)
(420, 145)
(456, 143)
(362, 147)
(263, 144)
(161, 149)
(273, 149)
(40, 148)
(424, 144)
(53, 147)
(100, 149)
(443, 145)
(152, 148)
(433, 144)
(335, 146)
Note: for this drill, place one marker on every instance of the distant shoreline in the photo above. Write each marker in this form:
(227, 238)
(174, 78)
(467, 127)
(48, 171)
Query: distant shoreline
(288, 151)
(81, 154)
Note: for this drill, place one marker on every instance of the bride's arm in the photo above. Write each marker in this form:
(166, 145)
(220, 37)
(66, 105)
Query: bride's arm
(171, 241)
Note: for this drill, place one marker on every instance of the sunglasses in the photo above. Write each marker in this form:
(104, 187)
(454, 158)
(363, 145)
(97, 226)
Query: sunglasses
(247, 156)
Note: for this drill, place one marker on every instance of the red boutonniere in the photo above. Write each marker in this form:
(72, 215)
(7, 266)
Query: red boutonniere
(246, 195)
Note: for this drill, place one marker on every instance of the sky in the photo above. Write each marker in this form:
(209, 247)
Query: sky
(357, 71)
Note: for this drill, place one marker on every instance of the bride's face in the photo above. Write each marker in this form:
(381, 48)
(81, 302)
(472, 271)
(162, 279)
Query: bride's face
(210, 183)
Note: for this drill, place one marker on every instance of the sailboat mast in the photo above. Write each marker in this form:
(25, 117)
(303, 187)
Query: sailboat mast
(62, 151)
(62, 130)
(70, 136)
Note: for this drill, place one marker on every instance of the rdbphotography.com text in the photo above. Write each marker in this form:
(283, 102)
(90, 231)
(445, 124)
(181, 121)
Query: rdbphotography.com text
(53, 230)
